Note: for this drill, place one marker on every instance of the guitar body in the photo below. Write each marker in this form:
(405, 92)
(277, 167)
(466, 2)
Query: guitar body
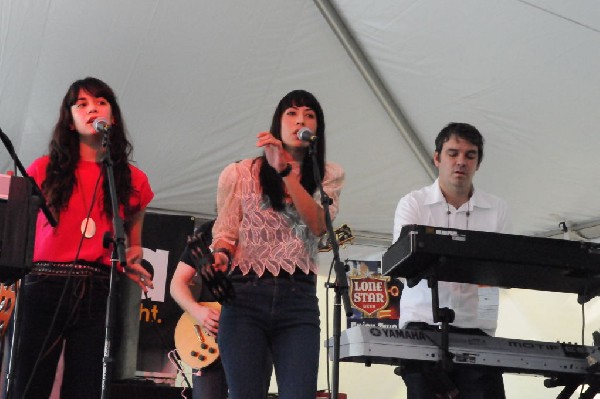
(196, 346)
(7, 305)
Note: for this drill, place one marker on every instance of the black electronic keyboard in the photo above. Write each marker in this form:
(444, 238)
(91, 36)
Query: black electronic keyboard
(379, 345)
(502, 260)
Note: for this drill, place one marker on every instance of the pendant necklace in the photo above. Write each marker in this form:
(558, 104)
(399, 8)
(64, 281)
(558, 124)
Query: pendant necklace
(88, 225)
(467, 214)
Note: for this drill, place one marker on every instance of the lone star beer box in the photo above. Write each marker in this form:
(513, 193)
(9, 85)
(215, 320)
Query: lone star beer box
(375, 298)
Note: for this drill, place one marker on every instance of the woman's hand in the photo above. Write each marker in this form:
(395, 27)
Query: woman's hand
(276, 155)
(221, 262)
(134, 254)
(139, 275)
(135, 271)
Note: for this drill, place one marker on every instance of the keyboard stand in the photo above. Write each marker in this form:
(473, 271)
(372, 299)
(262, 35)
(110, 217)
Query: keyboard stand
(445, 316)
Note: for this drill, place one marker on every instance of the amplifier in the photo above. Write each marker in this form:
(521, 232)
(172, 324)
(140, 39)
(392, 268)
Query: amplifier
(18, 216)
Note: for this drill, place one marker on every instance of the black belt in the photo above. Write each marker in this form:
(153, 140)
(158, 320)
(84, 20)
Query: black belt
(79, 268)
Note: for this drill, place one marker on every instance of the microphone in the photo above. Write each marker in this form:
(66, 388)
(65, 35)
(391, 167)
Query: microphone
(101, 125)
(148, 267)
(305, 134)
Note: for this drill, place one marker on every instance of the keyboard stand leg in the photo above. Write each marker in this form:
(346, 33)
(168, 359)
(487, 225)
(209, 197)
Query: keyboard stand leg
(591, 391)
(567, 391)
(444, 316)
(570, 384)
(442, 383)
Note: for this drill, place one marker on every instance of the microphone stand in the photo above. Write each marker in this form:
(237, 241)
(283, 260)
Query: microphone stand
(341, 279)
(118, 257)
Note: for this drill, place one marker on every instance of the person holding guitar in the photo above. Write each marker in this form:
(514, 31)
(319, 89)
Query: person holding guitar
(196, 332)
(62, 301)
(266, 236)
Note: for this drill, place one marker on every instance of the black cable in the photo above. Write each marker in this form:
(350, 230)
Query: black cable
(328, 286)
(582, 334)
(582, 324)
(163, 341)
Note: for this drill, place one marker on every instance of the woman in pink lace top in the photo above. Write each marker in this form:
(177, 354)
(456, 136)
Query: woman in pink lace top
(270, 220)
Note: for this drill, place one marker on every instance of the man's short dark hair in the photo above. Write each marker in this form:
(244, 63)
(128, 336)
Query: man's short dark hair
(463, 131)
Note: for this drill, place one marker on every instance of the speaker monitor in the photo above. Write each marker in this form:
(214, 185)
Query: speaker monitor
(18, 215)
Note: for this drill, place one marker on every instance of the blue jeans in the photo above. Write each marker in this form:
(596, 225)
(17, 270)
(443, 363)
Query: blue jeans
(80, 323)
(271, 318)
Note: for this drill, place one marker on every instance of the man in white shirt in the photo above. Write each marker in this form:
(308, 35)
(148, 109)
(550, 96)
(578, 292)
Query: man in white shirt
(452, 202)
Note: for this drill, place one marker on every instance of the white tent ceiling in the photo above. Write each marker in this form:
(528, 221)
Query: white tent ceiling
(198, 79)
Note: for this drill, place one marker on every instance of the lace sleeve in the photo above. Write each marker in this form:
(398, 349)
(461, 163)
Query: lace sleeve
(332, 185)
(229, 211)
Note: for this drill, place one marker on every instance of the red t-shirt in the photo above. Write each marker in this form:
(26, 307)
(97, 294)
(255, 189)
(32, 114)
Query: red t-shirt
(59, 244)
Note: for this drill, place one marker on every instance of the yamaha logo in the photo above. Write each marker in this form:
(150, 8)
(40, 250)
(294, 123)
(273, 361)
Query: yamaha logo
(376, 332)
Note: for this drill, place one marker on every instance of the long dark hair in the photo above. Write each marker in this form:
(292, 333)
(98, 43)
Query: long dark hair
(64, 151)
(271, 183)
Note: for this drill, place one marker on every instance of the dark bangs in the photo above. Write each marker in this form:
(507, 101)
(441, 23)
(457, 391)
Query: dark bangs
(94, 87)
(297, 98)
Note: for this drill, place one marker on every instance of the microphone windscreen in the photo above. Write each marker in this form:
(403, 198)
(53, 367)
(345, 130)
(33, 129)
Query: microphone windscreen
(148, 267)
(101, 125)
(305, 134)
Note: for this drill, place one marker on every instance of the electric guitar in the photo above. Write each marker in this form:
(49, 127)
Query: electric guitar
(196, 346)
(7, 305)
(343, 235)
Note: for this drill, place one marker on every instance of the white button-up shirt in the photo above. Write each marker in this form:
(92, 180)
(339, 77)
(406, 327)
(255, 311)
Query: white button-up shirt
(428, 207)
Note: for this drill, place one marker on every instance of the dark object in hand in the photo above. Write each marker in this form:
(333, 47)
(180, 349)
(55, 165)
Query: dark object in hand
(216, 281)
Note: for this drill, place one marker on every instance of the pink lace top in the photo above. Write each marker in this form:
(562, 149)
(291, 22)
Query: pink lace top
(265, 238)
